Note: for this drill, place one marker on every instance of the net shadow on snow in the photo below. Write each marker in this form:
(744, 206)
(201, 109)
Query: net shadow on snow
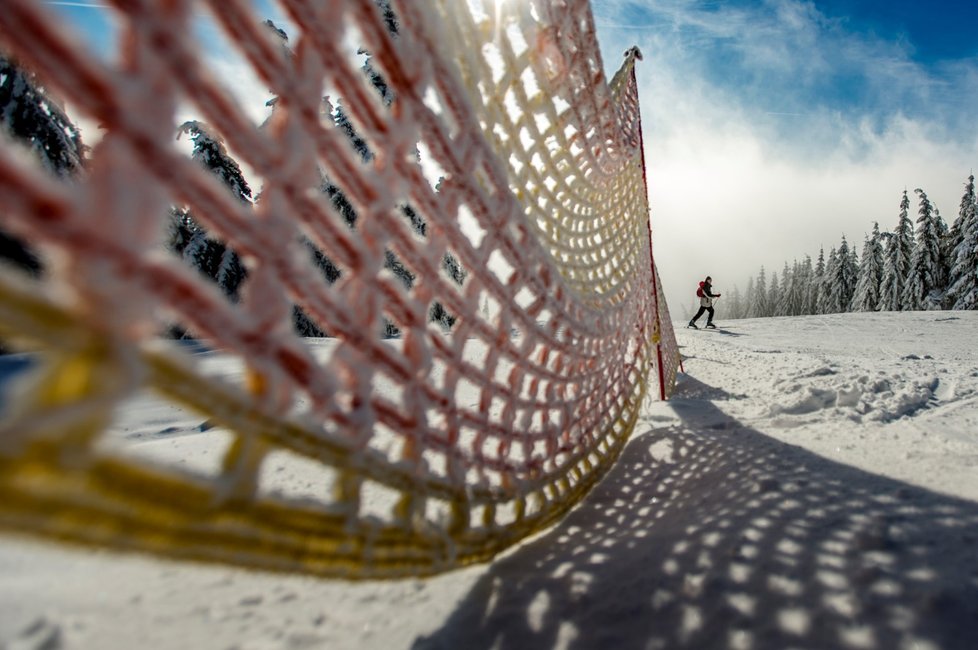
(716, 361)
(689, 394)
(720, 331)
(710, 534)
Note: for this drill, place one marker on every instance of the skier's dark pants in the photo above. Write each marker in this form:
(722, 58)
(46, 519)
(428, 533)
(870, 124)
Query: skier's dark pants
(709, 319)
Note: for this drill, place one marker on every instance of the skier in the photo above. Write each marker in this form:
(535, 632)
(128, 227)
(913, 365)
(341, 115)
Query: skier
(706, 296)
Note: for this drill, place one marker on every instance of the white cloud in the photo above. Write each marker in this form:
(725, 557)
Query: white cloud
(767, 172)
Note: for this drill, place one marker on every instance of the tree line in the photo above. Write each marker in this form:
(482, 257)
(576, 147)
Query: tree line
(30, 115)
(919, 265)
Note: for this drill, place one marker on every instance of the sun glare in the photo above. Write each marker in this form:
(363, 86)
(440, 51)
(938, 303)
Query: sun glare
(492, 9)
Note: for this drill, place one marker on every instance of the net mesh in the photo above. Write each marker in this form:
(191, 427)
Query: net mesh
(424, 452)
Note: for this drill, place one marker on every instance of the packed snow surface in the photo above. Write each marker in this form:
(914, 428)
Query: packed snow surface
(812, 483)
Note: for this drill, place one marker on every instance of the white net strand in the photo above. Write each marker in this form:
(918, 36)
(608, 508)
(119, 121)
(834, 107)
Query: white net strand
(429, 451)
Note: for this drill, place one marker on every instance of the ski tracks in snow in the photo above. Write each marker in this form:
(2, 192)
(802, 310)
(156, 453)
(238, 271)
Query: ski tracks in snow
(895, 390)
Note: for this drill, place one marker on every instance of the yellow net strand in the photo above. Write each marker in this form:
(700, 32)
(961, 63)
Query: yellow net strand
(429, 452)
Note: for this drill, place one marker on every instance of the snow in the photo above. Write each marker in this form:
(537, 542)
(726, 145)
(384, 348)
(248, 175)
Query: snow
(812, 483)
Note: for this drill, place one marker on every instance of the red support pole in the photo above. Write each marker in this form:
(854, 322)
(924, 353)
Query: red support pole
(655, 288)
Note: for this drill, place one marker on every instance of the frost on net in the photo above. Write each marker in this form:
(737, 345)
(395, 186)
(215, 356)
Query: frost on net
(464, 217)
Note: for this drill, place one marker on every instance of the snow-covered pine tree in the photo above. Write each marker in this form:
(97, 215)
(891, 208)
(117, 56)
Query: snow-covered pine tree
(963, 282)
(30, 116)
(450, 264)
(926, 277)
(867, 294)
(896, 260)
(783, 302)
(943, 235)
(796, 290)
(182, 228)
(817, 287)
(955, 233)
(773, 294)
(344, 123)
(826, 292)
(854, 272)
(211, 257)
(806, 287)
(845, 278)
(782, 305)
(305, 326)
(943, 257)
(758, 304)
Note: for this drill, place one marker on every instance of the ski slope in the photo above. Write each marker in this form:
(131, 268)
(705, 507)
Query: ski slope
(813, 483)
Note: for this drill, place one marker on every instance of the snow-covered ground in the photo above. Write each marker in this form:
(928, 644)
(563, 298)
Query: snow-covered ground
(813, 483)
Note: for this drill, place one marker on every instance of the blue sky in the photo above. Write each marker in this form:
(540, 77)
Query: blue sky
(786, 58)
(934, 31)
(773, 127)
